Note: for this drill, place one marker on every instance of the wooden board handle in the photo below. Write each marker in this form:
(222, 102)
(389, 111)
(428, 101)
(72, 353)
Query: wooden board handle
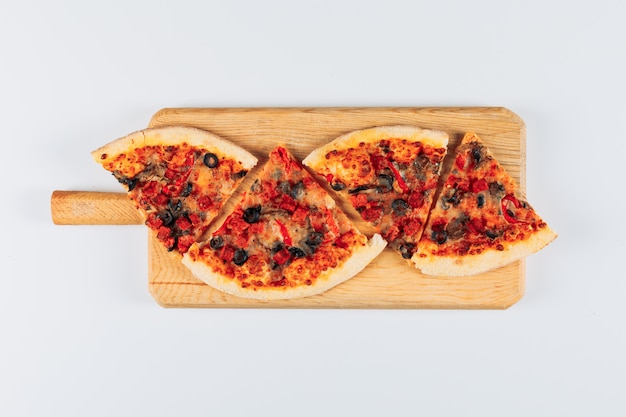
(84, 207)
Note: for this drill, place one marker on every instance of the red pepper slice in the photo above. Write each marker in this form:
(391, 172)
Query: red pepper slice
(399, 179)
(284, 232)
(505, 210)
(479, 185)
(460, 162)
(284, 157)
(282, 256)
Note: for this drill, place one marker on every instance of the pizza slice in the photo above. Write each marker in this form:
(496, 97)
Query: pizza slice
(178, 177)
(389, 175)
(481, 220)
(285, 239)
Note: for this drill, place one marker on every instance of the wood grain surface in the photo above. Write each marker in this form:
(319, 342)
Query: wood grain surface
(388, 282)
(84, 207)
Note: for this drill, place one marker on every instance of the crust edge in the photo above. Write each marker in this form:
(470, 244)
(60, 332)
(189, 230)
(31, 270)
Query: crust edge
(349, 140)
(174, 135)
(355, 264)
(486, 261)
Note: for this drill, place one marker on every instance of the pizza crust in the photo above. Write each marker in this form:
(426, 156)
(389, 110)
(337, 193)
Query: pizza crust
(174, 135)
(485, 261)
(435, 138)
(361, 257)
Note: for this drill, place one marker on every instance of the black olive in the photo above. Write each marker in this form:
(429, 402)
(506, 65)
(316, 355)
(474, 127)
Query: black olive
(297, 192)
(338, 186)
(277, 247)
(296, 252)
(240, 257)
(439, 236)
(386, 182)
(314, 239)
(216, 242)
(176, 207)
(239, 174)
(480, 200)
(406, 250)
(358, 189)
(131, 183)
(400, 206)
(451, 196)
(491, 234)
(211, 160)
(476, 154)
(186, 190)
(166, 217)
(252, 214)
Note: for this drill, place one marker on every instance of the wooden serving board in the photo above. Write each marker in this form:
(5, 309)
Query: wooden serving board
(388, 282)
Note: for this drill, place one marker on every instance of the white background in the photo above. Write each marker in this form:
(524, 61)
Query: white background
(81, 336)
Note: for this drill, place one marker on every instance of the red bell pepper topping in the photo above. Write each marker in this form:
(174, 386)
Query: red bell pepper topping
(479, 185)
(460, 162)
(183, 223)
(505, 210)
(284, 157)
(284, 232)
(282, 256)
(399, 179)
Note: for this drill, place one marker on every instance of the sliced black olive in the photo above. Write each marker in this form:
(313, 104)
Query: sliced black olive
(175, 207)
(314, 239)
(166, 217)
(297, 192)
(186, 189)
(211, 160)
(451, 196)
(400, 206)
(239, 174)
(131, 183)
(480, 200)
(252, 214)
(406, 250)
(358, 189)
(385, 182)
(240, 257)
(216, 242)
(476, 155)
(296, 252)
(491, 234)
(277, 247)
(439, 236)
(338, 186)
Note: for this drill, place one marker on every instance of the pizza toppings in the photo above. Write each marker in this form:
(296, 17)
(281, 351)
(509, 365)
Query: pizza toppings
(177, 178)
(480, 212)
(389, 175)
(286, 238)
(286, 233)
